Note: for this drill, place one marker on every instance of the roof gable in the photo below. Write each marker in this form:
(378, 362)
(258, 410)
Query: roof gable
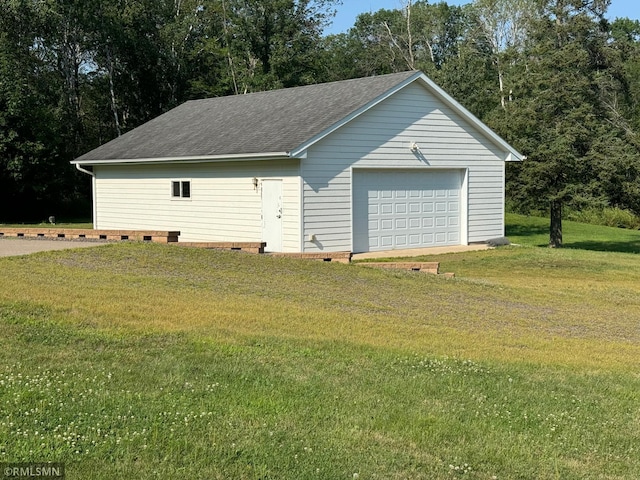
(511, 153)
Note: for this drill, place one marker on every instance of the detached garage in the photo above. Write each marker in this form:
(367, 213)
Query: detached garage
(372, 164)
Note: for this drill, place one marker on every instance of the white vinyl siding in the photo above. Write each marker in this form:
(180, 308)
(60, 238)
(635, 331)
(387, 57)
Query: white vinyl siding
(225, 205)
(381, 138)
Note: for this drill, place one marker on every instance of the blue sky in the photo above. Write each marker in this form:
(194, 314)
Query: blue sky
(350, 9)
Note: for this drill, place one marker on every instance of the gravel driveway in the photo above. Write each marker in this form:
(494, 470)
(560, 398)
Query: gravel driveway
(23, 246)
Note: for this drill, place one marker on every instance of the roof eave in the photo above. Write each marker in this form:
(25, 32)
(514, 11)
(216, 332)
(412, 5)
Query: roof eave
(515, 156)
(187, 159)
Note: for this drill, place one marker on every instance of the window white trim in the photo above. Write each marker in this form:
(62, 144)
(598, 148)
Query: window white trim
(181, 189)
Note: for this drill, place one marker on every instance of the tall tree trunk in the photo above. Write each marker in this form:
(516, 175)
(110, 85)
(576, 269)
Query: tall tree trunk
(112, 90)
(405, 45)
(412, 60)
(555, 227)
(503, 101)
(227, 41)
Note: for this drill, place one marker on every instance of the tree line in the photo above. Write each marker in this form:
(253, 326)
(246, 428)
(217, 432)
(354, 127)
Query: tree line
(555, 78)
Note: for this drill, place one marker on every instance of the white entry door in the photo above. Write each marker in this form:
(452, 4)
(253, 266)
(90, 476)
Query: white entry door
(396, 209)
(272, 215)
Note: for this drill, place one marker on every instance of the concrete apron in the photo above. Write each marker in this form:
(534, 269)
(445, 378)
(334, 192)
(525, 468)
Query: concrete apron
(10, 247)
(417, 252)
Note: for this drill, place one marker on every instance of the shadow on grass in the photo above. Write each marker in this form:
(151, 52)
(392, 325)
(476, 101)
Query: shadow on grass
(526, 230)
(576, 236)
(632, 246)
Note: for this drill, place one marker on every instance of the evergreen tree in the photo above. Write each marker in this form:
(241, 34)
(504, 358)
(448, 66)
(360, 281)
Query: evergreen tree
(558, 109)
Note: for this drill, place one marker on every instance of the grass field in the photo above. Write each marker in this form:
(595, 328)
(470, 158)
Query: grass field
(156, 361)
(59, 224)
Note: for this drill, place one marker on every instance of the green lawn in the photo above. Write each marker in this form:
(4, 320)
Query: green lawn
(533, 231)
(60, 224)
(157, 361)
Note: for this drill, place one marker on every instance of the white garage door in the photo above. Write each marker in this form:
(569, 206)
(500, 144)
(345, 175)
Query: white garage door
(396, 209)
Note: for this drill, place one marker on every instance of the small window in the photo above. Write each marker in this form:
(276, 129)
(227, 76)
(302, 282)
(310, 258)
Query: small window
(181, 189)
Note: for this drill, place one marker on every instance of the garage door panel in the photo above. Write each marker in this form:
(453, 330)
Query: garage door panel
(406, 209)
(428, 207)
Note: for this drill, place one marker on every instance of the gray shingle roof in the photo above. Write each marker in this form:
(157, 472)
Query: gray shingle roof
(265, 122)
